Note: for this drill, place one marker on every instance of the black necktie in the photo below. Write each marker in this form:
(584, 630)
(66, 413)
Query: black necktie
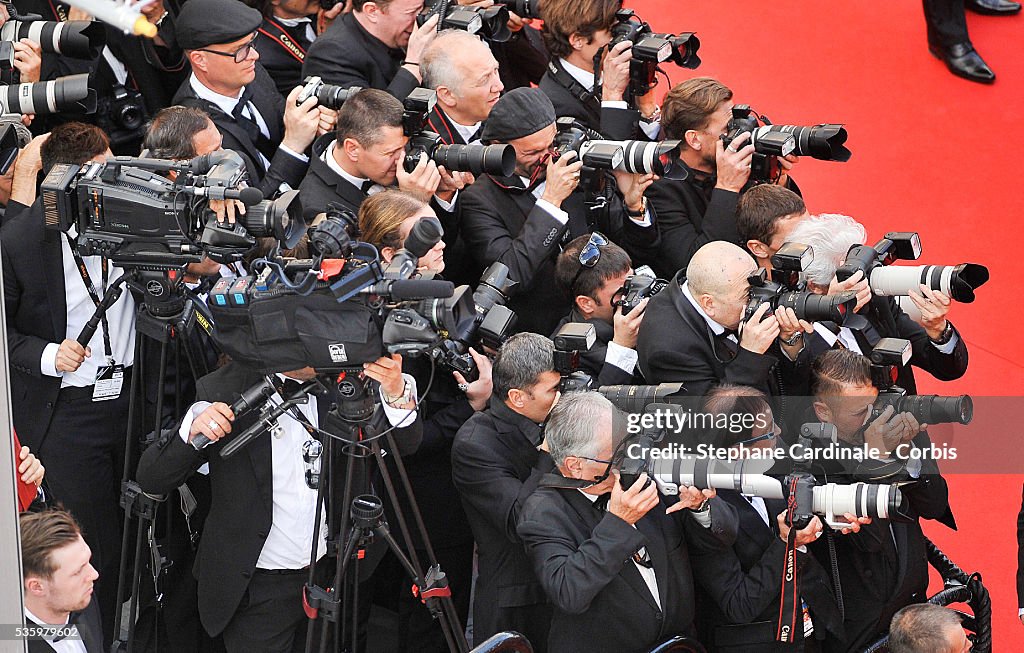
(72, 618)
(289, 387)
(601, 503)
(367, 185)
(724, 347)
(241, 105)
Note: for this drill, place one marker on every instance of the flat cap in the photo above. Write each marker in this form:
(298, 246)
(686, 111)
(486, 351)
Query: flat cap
(520, 112)
(209, 22)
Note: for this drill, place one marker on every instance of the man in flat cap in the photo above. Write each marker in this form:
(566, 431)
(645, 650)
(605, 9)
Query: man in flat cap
(272, 134)
(525, 219)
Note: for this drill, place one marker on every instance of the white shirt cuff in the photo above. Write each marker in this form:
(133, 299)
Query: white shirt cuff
(447, 206)
(193, 412)
(643, 221)
(48, 361)
(621, 357)
(558, 214)
(400, 417)
(1020, 613)
(614, 104)
(949, 346)
(297, 155)
(703, 518)
(652, 129)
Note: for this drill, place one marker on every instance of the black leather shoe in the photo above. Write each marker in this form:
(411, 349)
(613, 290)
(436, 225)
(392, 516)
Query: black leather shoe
(993, 7)
(963, 61)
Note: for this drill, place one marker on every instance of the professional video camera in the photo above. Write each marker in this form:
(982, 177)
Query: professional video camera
(887, 357)
(956, 281)
(750, 476)
(649, 50)
(124, 210)
(824, 142)
(490, 24)
(475, 158)
(327, 95)
(638, 157)
(577, 337)
(785, 290)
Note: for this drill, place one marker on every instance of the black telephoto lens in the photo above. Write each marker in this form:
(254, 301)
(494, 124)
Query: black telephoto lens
(819, 308)
(933, 409)
(524, 8)
(426, 233)
(478, 159)
(824, 142)
(635, 398)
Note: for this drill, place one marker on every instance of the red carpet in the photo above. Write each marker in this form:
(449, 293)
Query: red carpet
(931, 153)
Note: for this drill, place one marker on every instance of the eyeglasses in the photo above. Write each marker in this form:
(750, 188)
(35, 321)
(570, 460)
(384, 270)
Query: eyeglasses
(239, 55)
(589, 256)
(770, 435)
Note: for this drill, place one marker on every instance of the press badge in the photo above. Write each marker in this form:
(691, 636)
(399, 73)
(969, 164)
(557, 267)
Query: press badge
(109, 380)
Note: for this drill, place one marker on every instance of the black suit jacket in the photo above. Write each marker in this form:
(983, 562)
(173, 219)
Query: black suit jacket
(582, 557)
(284, 168)
(676, 345)
(615, 124)
(89, 629)
(323, 186)
(743, 585)
(242, 494)
(593, 362)
(282, 51)
(522, 59)
(493, 456)
(347, 55)
(501, 222)
(36, 316)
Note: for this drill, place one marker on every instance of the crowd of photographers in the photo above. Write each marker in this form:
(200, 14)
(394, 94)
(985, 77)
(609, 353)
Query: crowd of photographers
(610, 252)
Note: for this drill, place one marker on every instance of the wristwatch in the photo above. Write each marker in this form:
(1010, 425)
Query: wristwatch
(946, 335)
(795, 338)
(401, 399)
(704, 506)
(641, 212)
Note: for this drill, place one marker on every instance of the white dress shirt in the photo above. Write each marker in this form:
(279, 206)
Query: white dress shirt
(586, 79)
(850, 341)
(292, 22)
(332, 163)
(79, 307)
(66, 644)
(621, 357)
(291, 530)
(467, 132)
(716, 328)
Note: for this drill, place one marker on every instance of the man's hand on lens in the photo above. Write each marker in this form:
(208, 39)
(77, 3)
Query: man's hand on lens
(423, 181)
(71, 355)
(214, 422)
(790, 325)
(328, 120)
(387, 372)
(517, 22)
(934, 307)
(632, 504)
(759, 332)
(805, 535)
(853, 523)
(691, 497)
(300, 122)
(858, 284)
(452, 182)
(633, 187)
(733, 163)
(31, 469)
(627, 327)
(226, 210)
(615, 72)
(889, 430)
(786, 163)
(28, 59)
(420, 38)
(563, 176)
(478, 392)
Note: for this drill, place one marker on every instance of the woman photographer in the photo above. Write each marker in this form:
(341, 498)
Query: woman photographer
(385, 221)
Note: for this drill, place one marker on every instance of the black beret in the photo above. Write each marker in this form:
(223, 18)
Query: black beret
(520, 112)
(209, 22)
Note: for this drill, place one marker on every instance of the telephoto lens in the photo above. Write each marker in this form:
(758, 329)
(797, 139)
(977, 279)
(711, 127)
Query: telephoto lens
(819, 308)
(329, 96)
(929, 409)
(824, 142)
(70, 93)
(80, 39)
(478, 159)
(636, 398)
(955, 281)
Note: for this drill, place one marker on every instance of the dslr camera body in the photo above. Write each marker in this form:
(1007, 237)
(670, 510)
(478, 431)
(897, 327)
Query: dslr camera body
(887, 357)
(490, 24)
(784, 289)
(649, 50)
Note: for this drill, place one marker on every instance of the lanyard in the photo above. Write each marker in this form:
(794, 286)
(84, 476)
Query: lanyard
(93, 295)
(280, 35)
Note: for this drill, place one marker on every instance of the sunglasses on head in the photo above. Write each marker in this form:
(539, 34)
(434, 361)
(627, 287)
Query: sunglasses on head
(589, 256)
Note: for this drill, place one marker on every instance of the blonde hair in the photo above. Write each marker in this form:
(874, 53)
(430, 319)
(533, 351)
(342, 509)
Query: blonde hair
(381, 217)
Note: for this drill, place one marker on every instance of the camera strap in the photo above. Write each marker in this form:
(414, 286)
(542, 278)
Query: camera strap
(278, 34)
(93, 295)
(790, 605)
(588, 98)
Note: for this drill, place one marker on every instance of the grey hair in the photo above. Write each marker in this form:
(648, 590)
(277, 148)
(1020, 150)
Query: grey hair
(438, 66)
(521, 361)
(574, 424)
(922, 628)
(830, 235)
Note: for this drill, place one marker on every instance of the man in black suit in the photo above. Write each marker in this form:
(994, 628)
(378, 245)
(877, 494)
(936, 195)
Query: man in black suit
(702, 207)
(765, 216)
(949, 41)
(464, 73)
(76, 429)
(625, 562)
(58, 584)
(252, 563)
(271, 134)
(696, 330)
(376, 45)
(575, 31)
(937, 346)
(884, 567)
(592, 274)
(744, 583)
(524, 219)
(492, 458)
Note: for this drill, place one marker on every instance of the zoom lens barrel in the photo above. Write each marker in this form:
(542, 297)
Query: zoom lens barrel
(280, 219)
(478, 159)
(819, 308)
(80, 39)
(70, 93)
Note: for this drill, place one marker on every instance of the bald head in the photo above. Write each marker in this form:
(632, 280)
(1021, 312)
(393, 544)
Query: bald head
(719, 267)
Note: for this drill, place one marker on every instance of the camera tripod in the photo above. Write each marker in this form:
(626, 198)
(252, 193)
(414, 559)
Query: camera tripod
(168, 317)
(353, 427)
